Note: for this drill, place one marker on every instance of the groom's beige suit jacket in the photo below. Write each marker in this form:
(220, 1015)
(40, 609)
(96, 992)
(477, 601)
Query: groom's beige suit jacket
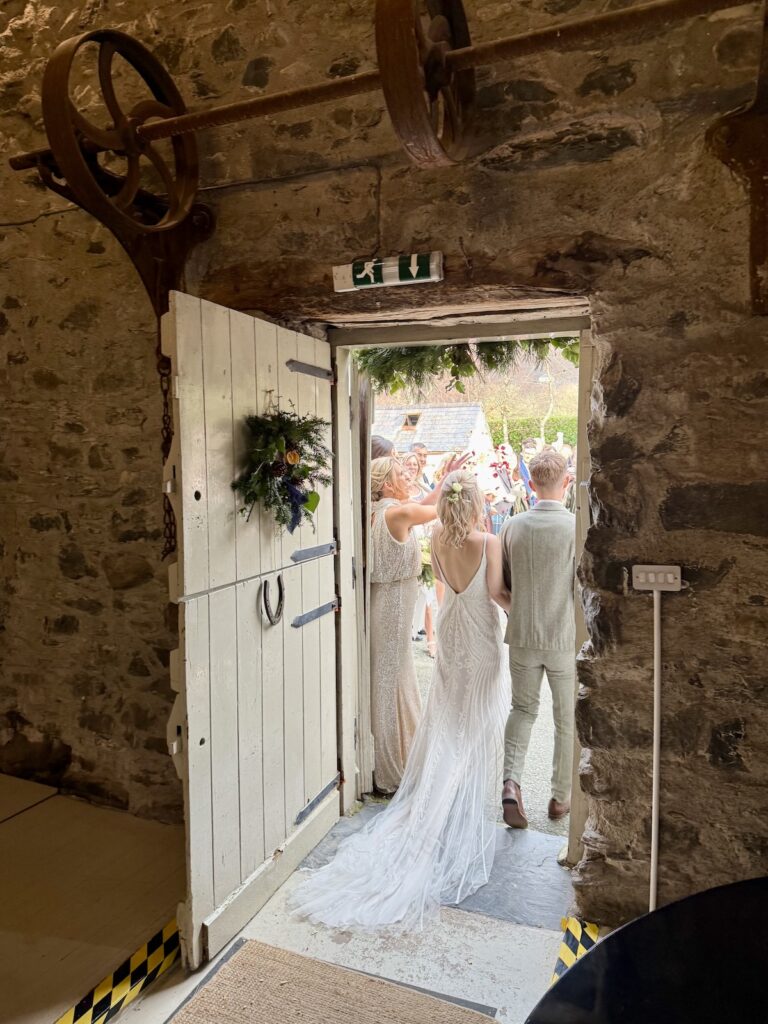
(538, 550)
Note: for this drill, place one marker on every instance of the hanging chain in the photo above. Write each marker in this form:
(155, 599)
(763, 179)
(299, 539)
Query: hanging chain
(166, 434)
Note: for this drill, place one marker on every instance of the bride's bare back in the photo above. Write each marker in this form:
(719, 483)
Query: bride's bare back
(457, 567)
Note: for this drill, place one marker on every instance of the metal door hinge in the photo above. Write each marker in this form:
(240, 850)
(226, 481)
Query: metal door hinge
(296, 366)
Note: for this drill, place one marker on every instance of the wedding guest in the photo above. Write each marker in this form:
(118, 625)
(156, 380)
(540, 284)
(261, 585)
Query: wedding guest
(423, 615)
(394, 573)
(381, 448)
(539, 554)
(421, 452)
(412, 467)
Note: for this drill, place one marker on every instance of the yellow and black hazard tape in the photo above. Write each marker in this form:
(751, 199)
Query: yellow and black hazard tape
(578, 938)
(121, 987)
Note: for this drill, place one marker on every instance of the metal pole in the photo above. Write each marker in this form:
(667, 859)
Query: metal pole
(656, 750)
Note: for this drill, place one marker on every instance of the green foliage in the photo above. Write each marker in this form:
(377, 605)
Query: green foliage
(392, 369)
(520, 428)
(285, 461)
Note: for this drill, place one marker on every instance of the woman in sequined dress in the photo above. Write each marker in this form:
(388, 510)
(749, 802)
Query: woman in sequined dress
(394, 574)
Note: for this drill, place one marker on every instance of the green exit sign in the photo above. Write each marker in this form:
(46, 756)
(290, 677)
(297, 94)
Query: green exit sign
(412, 268)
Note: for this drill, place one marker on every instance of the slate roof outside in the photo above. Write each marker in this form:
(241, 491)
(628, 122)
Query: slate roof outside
(442, 428)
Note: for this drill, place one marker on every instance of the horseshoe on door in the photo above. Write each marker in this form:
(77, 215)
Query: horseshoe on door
(273, 616)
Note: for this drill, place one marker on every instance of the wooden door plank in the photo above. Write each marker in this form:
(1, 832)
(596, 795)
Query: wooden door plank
(348, 626)
(324, 517)
(250, 727)
(273, 730)
(293, 680)
(224, 743)
(326, 676)
(195, 633)
(306, 405)
(267, 395)
(244, 403)
(309, 635)
(288, 388)
(219, 443)
(185, 322)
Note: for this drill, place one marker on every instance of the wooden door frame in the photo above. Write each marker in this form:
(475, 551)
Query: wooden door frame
(356, 742)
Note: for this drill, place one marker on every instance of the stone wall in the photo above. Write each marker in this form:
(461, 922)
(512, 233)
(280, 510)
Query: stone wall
(592, 179)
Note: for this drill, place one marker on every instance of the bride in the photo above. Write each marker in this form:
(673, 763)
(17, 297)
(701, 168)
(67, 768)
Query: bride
(434, 843)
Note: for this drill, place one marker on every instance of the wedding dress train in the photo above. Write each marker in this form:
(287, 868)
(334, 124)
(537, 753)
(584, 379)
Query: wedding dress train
(434, 843)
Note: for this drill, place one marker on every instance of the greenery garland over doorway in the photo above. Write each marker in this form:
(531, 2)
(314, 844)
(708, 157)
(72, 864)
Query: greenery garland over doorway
(392, 369)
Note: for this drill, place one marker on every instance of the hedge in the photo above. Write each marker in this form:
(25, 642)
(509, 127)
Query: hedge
(528, 426)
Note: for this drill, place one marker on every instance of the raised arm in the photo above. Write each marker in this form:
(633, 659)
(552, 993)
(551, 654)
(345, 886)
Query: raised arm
(496, 585)
(456, 463)
(400, 518)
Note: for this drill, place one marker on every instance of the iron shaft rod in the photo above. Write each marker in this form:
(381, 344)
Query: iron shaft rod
(652, 15)
(260, 106)
(571, 33)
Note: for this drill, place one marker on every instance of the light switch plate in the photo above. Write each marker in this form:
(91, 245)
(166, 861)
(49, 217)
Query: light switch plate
(657, 577)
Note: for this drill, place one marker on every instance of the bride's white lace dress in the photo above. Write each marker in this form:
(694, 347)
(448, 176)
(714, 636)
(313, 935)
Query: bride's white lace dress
(434, 843)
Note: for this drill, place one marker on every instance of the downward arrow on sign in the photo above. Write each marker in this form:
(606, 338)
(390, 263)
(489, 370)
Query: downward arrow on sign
(414, 266)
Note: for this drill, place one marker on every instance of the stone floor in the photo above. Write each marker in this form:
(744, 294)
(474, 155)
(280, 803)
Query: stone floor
(527, 885)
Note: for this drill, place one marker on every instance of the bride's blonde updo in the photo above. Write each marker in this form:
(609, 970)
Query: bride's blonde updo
(381, 473)
(460, 507)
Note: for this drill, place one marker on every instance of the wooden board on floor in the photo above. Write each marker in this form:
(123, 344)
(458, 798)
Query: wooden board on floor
(81, 889)
(17, 795)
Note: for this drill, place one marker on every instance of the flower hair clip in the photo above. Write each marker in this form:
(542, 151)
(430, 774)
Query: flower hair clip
(454, 492)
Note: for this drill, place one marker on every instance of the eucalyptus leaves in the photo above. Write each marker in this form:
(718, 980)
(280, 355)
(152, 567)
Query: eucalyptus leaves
(286, 461)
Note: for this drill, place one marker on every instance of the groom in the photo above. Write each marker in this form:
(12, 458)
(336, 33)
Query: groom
(538, 550)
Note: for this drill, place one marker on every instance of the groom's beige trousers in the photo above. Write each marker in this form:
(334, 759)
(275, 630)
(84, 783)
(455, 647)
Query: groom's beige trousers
(527, 668)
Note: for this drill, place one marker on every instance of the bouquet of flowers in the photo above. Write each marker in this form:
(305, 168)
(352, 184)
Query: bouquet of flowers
(285, 461)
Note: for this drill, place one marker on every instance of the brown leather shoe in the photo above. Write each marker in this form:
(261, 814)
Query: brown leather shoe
(557, 810)
(512, 805)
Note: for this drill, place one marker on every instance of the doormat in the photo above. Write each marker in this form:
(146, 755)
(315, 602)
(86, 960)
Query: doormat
(261, 984)
(125, 983)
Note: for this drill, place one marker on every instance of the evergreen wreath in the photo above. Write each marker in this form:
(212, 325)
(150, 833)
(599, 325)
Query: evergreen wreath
(392, 369)
(286, 461)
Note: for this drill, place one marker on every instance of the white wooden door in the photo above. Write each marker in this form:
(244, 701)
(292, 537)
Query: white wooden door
(253, 731)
